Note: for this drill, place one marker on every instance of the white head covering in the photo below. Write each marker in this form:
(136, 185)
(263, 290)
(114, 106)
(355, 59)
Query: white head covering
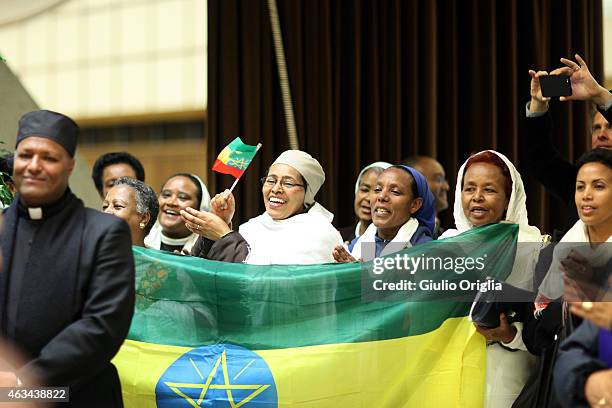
(376, 165)
(524, 266)
(308, 167)
(156, 236)
(205, 202)
(517, 204)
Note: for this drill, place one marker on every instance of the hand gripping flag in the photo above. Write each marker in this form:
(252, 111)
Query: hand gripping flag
(235, 158)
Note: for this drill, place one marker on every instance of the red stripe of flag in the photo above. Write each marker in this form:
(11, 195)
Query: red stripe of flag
(221, 167)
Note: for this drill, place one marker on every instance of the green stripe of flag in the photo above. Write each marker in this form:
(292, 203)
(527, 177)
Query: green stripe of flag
(192, 302)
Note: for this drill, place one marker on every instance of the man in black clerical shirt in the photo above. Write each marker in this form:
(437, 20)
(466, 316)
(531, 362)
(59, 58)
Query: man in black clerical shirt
(67, 272)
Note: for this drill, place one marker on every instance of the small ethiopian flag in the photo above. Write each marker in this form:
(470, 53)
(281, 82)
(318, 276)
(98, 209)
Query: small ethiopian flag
(235, 158)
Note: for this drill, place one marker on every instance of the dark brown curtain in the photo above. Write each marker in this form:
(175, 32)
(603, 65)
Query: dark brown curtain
(383, 80)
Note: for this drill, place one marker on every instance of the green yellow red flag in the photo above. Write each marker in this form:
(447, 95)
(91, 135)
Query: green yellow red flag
(215, 334)
(235, 158)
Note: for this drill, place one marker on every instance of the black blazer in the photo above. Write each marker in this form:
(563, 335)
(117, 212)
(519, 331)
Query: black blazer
(88, 333)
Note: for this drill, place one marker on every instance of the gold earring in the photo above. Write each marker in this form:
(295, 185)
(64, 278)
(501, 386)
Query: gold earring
(142, 225)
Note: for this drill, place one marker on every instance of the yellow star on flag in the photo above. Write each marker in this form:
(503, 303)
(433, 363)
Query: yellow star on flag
(226, 385)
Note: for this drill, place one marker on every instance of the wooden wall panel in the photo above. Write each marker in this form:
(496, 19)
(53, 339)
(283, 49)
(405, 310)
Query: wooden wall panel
(160, 159)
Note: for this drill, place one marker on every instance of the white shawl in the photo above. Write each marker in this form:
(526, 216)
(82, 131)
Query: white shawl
(552, 285)
(526, 256)
(306, 238)
(399, 242)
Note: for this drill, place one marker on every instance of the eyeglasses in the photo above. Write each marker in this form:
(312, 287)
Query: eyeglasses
(286, 184)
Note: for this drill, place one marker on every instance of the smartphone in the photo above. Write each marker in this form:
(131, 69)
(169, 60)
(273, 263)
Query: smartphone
(555, 85)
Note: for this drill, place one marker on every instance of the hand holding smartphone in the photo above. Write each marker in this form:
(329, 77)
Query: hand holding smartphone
(555, 85)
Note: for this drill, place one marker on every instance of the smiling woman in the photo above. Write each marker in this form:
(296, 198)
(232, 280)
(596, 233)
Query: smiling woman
(295, 229)
(134, 202)
(180, 191)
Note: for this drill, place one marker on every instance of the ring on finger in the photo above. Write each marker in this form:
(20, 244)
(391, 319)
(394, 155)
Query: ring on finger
(587, 306)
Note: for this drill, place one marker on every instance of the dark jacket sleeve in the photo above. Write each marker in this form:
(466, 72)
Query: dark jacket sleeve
(542, 160)
(347, 233)
(539, 333)
(84, 348)
(230, 248)
(577, 360)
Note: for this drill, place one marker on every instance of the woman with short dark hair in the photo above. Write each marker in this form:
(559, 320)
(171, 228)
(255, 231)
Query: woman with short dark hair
(136, 203)
(583, 371)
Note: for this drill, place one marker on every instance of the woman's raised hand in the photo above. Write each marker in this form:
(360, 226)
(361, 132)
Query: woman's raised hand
(223, 205)
(204, 223)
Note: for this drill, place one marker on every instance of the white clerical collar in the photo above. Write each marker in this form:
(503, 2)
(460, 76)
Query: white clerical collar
(35, 213)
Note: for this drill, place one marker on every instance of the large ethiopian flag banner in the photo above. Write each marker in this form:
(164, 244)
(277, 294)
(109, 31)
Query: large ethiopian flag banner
(213, 334)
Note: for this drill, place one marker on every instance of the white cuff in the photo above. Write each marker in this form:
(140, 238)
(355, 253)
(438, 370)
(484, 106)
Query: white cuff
(606, 106)
(533, 114)
(517, 341)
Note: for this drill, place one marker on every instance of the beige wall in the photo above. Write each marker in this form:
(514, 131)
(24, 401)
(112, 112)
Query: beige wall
(178, 156)
(18, 103)
(109, 58)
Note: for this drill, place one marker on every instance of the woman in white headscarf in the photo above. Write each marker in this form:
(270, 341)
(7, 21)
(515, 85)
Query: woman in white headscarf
(490, 190)
(295, 229)
(180, 191)
(363, 186)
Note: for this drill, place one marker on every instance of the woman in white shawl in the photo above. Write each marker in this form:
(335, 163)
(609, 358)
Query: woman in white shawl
(490, 190)
(580, 249)
(577, 272)
(295, 229)
(180, 191)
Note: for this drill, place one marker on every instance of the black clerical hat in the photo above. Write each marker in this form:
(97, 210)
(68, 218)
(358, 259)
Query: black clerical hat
(52, 125)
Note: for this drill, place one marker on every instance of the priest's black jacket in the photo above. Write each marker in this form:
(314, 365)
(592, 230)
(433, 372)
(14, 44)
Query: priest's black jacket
(67, 296)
